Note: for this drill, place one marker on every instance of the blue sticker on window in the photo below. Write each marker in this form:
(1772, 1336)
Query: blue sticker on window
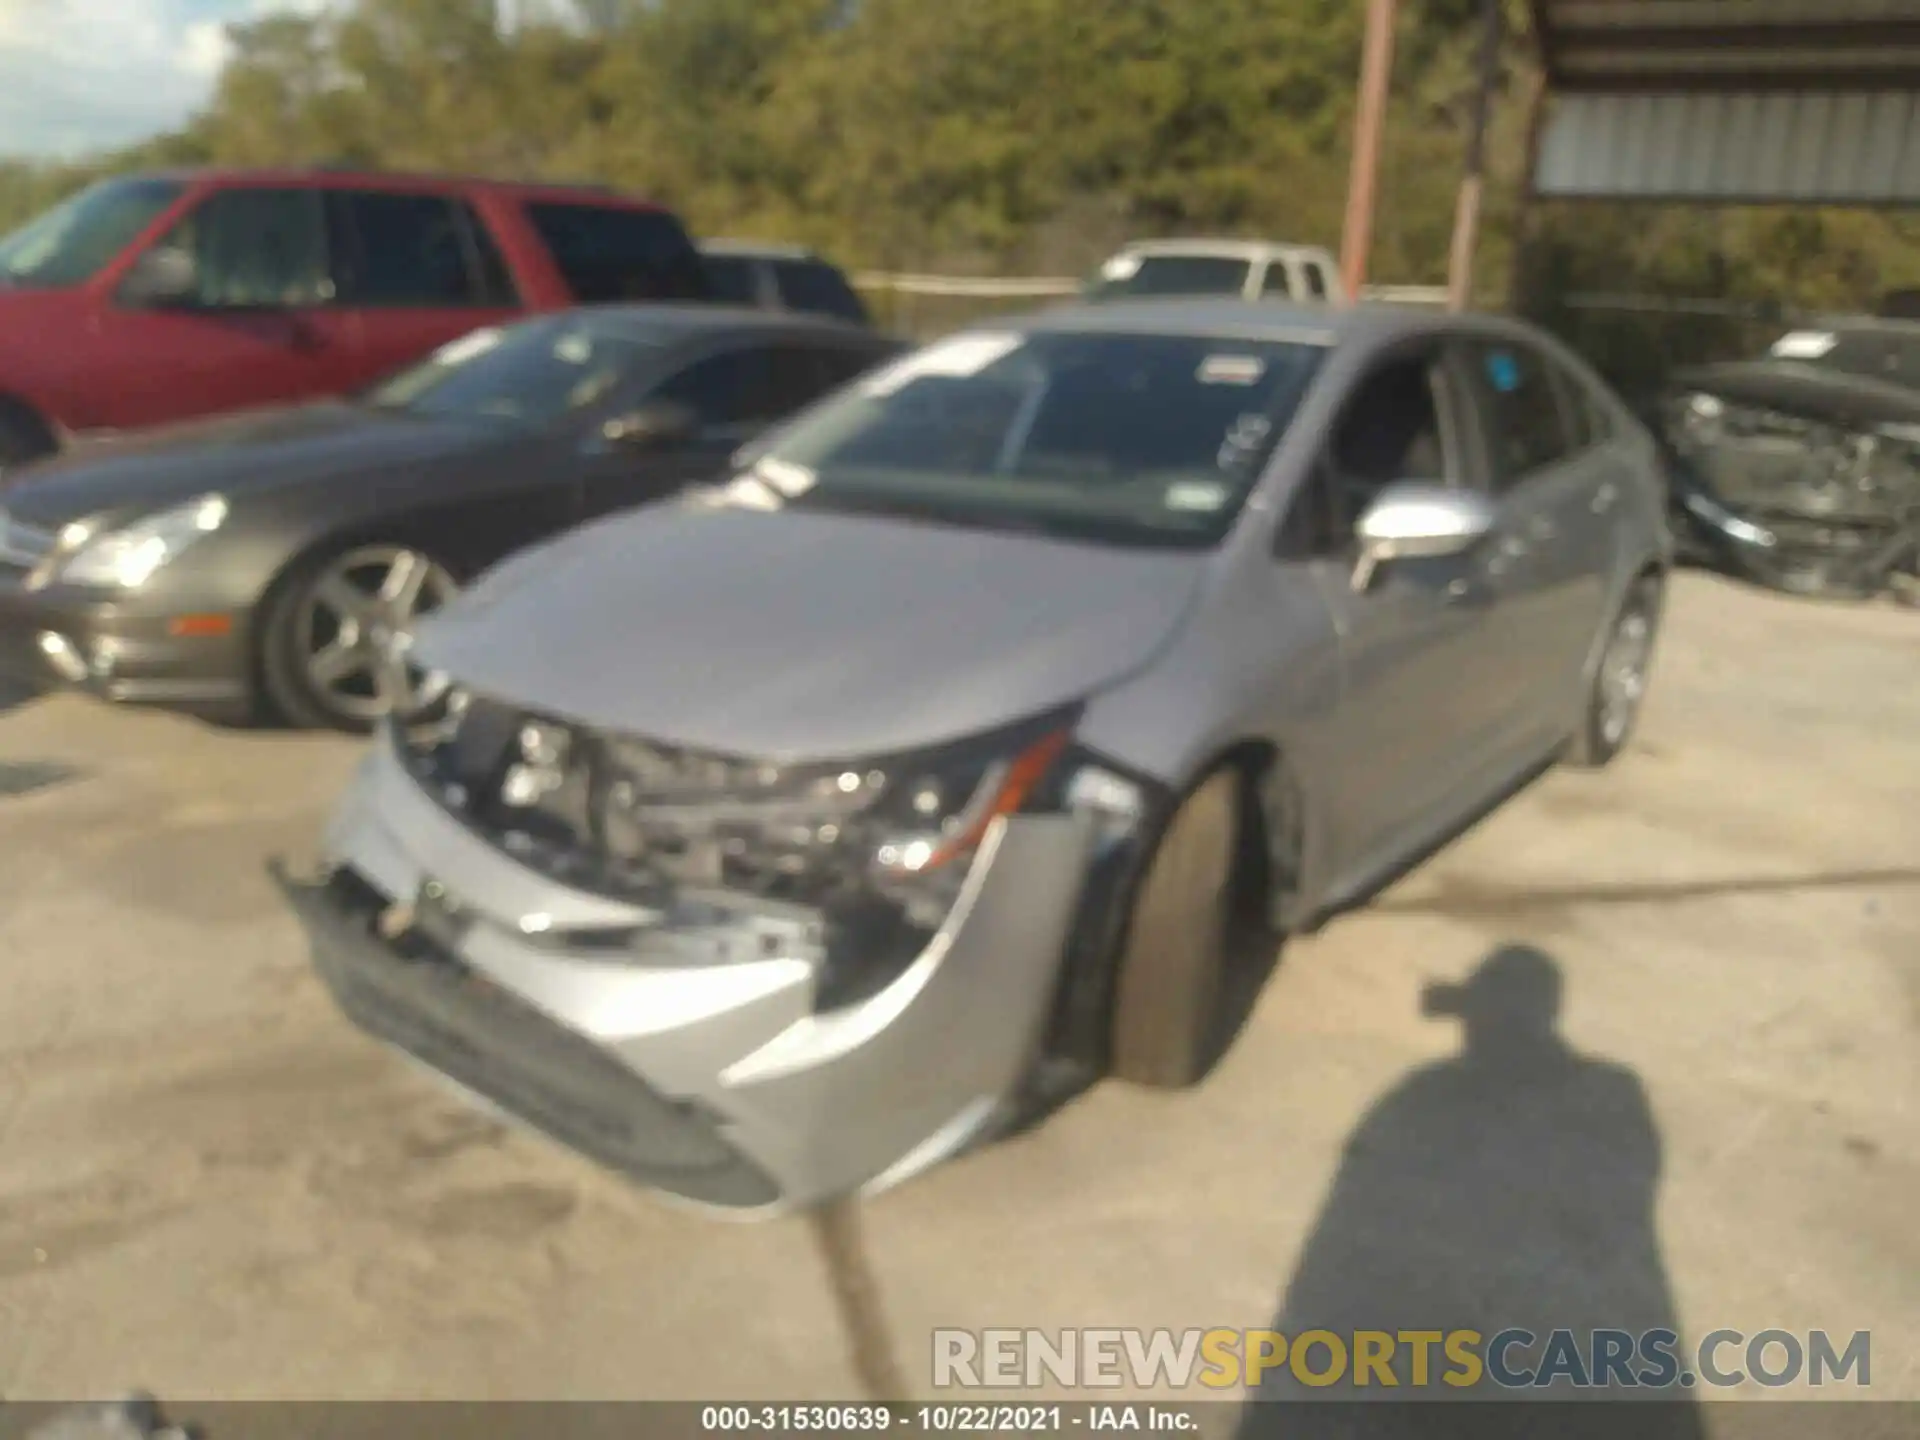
(1503, 371)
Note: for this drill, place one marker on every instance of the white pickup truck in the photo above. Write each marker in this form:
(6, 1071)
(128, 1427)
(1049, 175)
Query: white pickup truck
(1250, 269)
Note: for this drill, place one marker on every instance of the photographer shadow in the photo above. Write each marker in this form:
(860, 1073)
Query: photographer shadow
(1510, 1185)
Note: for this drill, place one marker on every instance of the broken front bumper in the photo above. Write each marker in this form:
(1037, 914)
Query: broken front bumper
(717, 1079)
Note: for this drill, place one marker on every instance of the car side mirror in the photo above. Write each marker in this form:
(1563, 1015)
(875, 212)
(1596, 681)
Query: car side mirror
(165, 275)
(1419, 520)
(657, 425)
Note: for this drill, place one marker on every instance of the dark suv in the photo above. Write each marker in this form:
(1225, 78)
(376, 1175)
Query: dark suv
(162, 297)
(779, 277)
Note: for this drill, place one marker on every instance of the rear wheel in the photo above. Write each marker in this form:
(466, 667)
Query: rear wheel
(1173, 965)
(1620, 680)
(329, 632)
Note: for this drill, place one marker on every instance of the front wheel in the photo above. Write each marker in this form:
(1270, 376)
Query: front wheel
(1174, 962)
(1620, 679)
(329, 631)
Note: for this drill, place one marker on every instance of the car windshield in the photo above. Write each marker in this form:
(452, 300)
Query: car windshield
(1131, 439)
(1146, 275)
(532, 375)
(76, 239)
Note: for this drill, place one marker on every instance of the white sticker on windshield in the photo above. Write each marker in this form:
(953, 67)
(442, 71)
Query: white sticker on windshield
(476, 342)
(1121, 267)
(1202, 495)
(1231, 369)
(1804, 345)
(959, 356)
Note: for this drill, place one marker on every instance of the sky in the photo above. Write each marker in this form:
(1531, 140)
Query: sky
(85, 75)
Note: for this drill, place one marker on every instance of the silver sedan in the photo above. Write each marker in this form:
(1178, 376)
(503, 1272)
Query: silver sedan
(932, 763)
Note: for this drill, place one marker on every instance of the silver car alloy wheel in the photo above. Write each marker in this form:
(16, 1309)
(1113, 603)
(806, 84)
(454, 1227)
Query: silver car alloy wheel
(352, 626)
(1623, 673)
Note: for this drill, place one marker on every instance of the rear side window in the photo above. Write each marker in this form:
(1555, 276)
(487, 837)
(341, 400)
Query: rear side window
(1278, 283)
(1588, 423)
(733, 279)
(257, 249)
(414, 250)
(1521, 413)
(817, 288)
(608, 255)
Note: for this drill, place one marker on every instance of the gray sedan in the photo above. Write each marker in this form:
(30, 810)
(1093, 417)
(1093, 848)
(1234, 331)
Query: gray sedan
(789, 839)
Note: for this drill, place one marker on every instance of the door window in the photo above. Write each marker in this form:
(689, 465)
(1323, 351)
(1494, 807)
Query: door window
(1277, 285)
(1390, 429)
(731, 391)
(608, 254)
(1316, 279)
(256, 249)
(817, 288)
(1520, 408)
(426, 251)
(733, 279)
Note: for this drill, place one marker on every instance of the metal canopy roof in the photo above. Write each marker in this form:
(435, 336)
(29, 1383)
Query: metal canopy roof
(1679, 45)
(1731, 101)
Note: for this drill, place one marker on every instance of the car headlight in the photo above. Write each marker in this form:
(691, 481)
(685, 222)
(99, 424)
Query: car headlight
(127, 558)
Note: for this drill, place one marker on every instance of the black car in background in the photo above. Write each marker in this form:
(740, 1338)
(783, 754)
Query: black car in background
(779, 277)
(277, 559)
(1801, 469)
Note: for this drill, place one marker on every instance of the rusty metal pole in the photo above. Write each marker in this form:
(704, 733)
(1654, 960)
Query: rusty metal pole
(1376, 69)
(1466, 214)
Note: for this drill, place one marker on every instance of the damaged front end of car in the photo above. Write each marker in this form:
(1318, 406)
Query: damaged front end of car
(1805, 482)
(750, 984)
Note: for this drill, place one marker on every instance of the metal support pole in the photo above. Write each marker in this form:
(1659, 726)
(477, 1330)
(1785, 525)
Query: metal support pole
(1376, 69)
(856, 1294)
(1523, 215)
(1466, 214)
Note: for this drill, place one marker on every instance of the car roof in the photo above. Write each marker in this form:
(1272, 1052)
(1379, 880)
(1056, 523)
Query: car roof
(757, 249)
(680, 324)
(1257, 320)
(1226, 248)
(331, 176)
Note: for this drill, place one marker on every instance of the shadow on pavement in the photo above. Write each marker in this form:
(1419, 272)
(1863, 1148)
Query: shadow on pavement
(1509, 1185)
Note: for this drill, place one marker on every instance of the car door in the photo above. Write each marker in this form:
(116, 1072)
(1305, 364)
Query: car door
(1542, 561)
(414, 271)
(259, 328)
(1414, 725)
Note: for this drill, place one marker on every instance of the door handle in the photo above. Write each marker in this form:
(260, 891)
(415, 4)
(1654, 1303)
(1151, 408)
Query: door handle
(1604, 497)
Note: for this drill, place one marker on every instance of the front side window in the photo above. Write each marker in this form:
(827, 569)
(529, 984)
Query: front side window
(732, 390)
(255, 249)
(610, 254)
(1129, 276)
(529, 375)
(76, 239)
(1133, 439)
(410, 250)
(1277, 285)
(817, 289)
(733, 279)
(1526, 429)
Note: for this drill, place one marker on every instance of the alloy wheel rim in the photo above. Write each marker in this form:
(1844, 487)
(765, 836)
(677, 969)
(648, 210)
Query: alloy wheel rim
(1623, 675)
(352, 625)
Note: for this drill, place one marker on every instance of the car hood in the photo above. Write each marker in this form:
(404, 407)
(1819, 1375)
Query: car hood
(803, 635)
(1813, 391)
(120, 477)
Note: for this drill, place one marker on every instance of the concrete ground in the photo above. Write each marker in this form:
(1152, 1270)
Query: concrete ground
(211, 1187)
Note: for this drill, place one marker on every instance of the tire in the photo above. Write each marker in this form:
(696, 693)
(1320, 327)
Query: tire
(293, 632)
(1619, 683)
(22, 438)
(1173, 963)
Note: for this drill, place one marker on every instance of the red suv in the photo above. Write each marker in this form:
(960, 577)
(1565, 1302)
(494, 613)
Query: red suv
(154, 298)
